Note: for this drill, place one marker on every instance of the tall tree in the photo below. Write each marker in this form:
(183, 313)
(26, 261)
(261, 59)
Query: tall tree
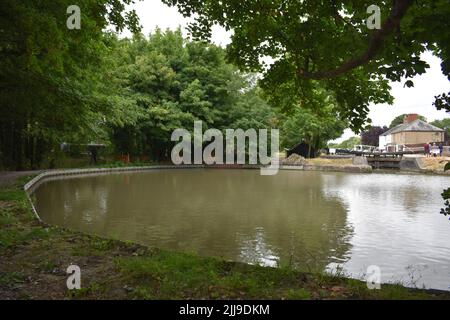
(329, 42)
(371, 136)
(347, 144)
(48, 74)
(401, 118)
(312, 128)
(443, 124)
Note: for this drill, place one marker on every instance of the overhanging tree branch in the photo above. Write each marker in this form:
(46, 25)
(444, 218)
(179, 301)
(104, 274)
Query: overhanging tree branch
(400, 7)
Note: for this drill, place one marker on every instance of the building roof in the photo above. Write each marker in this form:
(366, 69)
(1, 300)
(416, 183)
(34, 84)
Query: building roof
(413, 126)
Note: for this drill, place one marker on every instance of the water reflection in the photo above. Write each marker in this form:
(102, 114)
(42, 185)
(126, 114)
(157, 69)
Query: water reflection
(396, 227)
(309, 220)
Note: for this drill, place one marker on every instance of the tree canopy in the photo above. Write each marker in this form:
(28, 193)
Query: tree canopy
(88, 85)
(443, 124)
(166, 82)
(328, 42)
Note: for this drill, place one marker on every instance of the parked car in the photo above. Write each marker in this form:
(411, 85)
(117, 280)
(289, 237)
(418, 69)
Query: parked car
(363, 149)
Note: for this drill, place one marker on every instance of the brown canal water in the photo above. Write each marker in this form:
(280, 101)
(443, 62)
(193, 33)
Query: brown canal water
(310, 220)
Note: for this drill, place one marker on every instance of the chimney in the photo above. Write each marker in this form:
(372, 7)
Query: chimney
(410, 117)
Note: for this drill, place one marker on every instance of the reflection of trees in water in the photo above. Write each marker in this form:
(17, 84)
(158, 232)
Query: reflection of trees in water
(407, 194)
(230, 213)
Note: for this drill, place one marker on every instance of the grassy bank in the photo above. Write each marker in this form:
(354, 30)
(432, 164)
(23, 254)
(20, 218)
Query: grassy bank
(34, 258)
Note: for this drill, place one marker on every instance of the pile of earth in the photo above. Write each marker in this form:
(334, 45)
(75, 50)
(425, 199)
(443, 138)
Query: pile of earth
(294, 160)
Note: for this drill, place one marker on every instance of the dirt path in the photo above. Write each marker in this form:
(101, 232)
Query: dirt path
(9, 177)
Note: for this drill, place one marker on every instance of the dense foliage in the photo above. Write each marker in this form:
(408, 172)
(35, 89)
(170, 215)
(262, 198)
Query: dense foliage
(315, 130)
(80, 86)
(346, 144)
(370, 137)
(59, 85)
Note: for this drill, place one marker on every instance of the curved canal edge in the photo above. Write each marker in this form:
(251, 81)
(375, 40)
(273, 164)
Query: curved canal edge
(34, 259)
(34, 183)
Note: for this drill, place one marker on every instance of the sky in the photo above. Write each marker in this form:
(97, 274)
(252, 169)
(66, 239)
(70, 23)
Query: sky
(419, 99)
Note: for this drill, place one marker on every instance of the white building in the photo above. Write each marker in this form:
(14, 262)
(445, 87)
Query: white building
(412, 133)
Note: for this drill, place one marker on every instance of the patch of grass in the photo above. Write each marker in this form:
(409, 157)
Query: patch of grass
(120, 164)
(94, 246)
(398, 292)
